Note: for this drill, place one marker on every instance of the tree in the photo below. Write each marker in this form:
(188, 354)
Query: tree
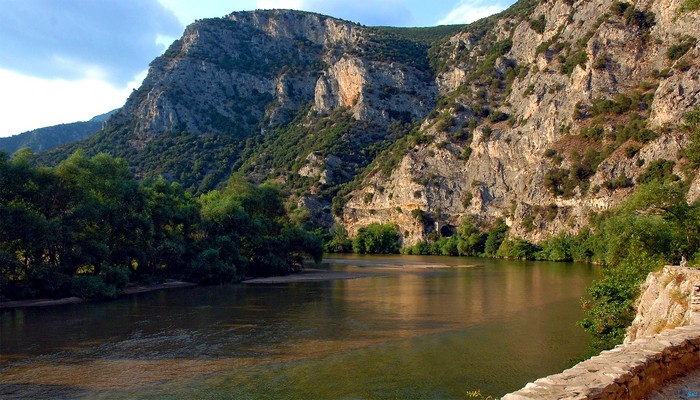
(496, 236)
(377, 238)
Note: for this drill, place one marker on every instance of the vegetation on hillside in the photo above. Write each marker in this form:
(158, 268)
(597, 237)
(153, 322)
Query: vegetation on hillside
(88, 227)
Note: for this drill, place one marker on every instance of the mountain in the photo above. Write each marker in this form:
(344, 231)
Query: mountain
(540, 115)
(43, 139)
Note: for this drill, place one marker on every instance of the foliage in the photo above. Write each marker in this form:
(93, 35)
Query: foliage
(496, 236)
(692, 127)
(563, 182)
(658, 171)
(689, 5)
(574, 59)
(678, 50)
(538, 25)
(468, 241)
(518, 249)
(87, 227)
(376, 238)
(339, 243)
(653, 227)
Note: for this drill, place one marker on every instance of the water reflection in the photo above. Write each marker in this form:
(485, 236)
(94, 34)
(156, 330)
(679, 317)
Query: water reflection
(404, 332)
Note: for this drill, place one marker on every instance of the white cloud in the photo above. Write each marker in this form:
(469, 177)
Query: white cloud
(37, 102)
(469, 11)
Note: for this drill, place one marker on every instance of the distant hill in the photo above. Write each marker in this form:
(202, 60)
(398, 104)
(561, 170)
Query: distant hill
(43, 139)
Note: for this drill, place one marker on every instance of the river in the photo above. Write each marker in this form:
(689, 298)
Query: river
(412, 327)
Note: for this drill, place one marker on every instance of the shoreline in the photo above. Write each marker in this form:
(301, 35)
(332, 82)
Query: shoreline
(305, 275)
(77, 300)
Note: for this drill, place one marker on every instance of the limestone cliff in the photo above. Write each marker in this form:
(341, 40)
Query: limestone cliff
(229, 84)
(522, 131)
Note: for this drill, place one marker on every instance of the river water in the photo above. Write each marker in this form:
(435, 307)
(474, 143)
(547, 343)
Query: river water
(412, 327)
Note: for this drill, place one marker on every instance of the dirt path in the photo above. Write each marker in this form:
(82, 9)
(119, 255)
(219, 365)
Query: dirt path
(682, 388)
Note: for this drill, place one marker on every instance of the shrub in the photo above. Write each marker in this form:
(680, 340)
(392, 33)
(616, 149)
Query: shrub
(538, 25)
(418, 215)
(495, 237)
(549, 153)
(619, 7)
(118, 277)
(689, 5)
(210, 267)
(377, 238)
(692, 127)
(632, 150)
(467, 201)
(660, 171)
(90, 287)
(576, 58)
(498, 116)
(678, 50)
(593, 133)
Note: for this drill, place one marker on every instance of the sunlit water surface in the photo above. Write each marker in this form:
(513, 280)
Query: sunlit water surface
(411, 332)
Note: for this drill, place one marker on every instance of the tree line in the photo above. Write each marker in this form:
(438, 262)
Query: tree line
(88, 227)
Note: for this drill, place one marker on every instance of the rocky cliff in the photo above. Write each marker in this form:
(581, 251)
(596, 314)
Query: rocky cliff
(540, 115)
(544, 118)
(232, 84)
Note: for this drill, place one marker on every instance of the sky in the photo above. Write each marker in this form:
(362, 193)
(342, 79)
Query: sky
(63, 61)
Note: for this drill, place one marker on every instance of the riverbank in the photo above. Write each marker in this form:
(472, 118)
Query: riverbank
(305, 275)
(75, 300)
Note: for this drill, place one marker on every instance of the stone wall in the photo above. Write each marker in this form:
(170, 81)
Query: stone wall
(634, 369)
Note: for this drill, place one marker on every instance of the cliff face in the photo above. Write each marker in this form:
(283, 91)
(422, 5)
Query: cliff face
(549, 150)
(252, 74)
(540, 115)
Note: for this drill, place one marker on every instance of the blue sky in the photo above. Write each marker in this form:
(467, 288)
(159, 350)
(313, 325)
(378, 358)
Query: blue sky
(69, 60)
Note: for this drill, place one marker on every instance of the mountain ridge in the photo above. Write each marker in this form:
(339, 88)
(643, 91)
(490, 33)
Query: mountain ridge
(540, 115)
(47, 138)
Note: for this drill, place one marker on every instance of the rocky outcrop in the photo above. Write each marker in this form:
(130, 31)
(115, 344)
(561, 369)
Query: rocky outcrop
(665, 302)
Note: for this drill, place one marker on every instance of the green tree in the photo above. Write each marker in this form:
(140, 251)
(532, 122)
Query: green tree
(376, 238)
(496, 236)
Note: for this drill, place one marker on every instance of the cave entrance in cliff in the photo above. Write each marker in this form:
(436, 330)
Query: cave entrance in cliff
(447, 231)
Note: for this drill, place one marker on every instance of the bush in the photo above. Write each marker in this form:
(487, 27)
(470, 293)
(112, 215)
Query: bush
(495, 237)
(377, 238)
(660, 171)
(538, 25)
(209, 267)
(497, 116)
(116, 276)
(91, 287)
(692, 127)
(574, 59)
(518, 249)
(678, 50)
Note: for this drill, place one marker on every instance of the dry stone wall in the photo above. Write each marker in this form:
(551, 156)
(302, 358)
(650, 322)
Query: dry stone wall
(636, 368)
